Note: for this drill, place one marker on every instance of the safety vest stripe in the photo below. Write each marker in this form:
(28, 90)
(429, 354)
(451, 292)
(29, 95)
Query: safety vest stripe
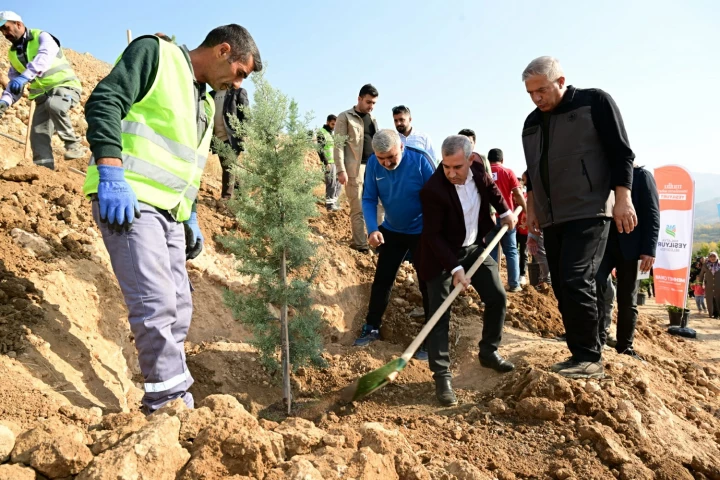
(168, 384)
(157, 174)
(55, 69)
(33, 91)
(179, 150)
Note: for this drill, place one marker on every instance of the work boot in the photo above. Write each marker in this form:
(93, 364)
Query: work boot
(444, 392)
(611, 340)
(332, 207)
(583, 370)
(561, 365)
(523, 280)
(515, 289)
(496, 362)
(368, 334)
(75, 152)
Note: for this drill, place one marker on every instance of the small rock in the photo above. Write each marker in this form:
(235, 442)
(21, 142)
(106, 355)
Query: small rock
(29, 441)
(334, 440)
(642, 383)
(152, 452)
(497, 406)
(540, 408)
(61, 458)
(464, 470)
(563, 474)
(300, 436)
(16, 472)
(172, 408)
(20, 174)
(303, 470)
(592, 387)
(631, 471)
(32, 241)
(7, 443)
(193, 421)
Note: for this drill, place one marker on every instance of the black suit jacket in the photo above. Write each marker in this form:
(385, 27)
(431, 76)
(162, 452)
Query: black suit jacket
(444, 224)
(643, 240)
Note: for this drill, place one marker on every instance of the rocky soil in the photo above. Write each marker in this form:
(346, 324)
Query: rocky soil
(69, 379)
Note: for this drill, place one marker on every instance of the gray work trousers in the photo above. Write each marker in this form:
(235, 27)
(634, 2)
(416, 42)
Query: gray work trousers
(52, 114)
(541, 258)
(149, 263)
(332, 186)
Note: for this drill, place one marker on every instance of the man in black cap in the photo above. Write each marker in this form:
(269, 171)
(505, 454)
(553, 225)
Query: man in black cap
(511, 190)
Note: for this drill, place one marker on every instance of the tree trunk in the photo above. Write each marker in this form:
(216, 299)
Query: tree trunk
(287, 392)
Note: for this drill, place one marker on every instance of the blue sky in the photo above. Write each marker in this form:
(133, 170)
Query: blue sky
(456, 64)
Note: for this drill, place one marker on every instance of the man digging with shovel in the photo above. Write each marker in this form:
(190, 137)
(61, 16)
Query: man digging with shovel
(456, 209)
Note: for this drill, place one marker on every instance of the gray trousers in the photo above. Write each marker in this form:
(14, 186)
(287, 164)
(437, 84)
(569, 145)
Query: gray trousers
(332, 186)
(52, 115)
(541, 259)
(149, 263)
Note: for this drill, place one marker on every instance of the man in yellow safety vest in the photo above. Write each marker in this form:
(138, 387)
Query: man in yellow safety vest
(150, 122)
(37, 60)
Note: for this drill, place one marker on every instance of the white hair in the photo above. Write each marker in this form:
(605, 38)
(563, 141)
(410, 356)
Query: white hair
(455, 143)
(384, 140)
(548, 66)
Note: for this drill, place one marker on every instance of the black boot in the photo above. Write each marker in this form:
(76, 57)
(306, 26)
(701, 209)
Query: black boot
(444, 392)
(496, 362)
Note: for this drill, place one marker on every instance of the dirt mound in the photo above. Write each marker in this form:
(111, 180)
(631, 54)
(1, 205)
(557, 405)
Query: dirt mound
(70, 381)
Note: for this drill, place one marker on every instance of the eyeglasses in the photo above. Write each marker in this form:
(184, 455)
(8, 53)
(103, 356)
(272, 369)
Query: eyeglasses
(400, 109)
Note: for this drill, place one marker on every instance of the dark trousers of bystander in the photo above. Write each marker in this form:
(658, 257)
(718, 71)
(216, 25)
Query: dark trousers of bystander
(522, 249)
(627, 288)
(390, 256)
(574, 252)
(486, 282)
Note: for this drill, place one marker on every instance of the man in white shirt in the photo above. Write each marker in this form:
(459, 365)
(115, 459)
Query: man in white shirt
(456, 217)
(409, 136)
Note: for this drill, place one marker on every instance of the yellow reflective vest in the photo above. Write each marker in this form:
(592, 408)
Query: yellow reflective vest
(161, 154)
(60, 73)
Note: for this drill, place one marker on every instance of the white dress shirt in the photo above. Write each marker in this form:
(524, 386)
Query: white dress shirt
(421, 141)
(470, 201)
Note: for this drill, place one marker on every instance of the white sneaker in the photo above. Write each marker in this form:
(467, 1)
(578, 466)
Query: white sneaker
(523, 280)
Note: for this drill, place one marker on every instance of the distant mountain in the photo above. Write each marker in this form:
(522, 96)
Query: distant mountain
(707, 212)
(707, 187)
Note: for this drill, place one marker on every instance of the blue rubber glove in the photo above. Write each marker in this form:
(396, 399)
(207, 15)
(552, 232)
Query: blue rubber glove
(193, 237)
(16, 85)
(3, 106)
(117, 201)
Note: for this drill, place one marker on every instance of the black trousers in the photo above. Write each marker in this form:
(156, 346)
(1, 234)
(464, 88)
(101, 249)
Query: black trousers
(627, 289)
(522, 249)
(228, 180)
(574, 252)
(486, 282)
(390, 256)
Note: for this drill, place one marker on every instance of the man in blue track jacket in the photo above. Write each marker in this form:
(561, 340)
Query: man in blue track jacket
(394, 176)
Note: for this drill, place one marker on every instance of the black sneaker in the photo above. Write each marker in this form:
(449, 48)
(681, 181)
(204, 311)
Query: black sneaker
(368, 334)
(632, 353)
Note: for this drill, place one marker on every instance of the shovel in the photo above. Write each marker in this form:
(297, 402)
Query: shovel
(380, 377)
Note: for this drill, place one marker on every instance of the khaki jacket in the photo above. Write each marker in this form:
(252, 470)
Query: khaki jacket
(348, 157)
